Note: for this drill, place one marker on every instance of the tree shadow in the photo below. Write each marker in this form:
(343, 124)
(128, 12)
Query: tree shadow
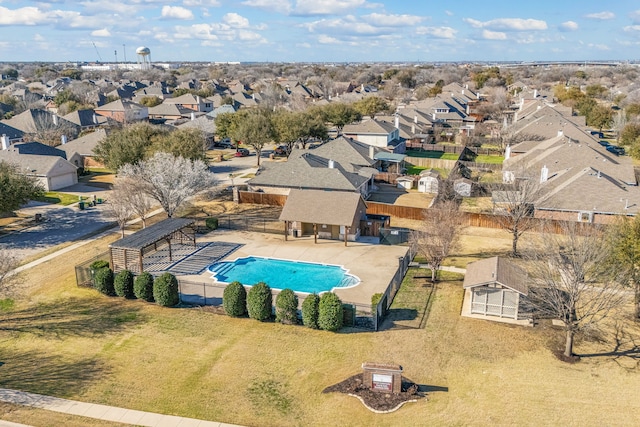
(47, 374)
(626, 348)
(432, 388)
(72, 317)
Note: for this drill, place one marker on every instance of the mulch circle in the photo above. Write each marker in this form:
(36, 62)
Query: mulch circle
(375, 400)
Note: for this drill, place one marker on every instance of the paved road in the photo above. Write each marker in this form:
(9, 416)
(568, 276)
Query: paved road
(61, 225)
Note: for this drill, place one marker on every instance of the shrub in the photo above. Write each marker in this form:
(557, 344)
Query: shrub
(123, 284)
(310, 311)
(234, 299)
(259, 302)
(103, 281)
(97, 265)
(211, 223)
(287, 307)
(330, 312)
(375, 300)
(143, 287)
(165, 290)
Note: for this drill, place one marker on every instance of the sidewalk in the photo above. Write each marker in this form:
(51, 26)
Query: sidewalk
(101, 412)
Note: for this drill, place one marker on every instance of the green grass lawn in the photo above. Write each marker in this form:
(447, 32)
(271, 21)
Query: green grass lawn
(494, 160)
(433, 154)
(58, 198)
(65, 341)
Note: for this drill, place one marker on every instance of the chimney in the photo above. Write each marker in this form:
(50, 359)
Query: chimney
(362, 87)
(253, 96)
(462, 91)
(95, 119)
(598, 174)
(331, 164)
(535, 93)
(63, 139)
(413, 129)
(507, 152)
(193, 115)
(467, 110)
(415, 118)
(521, 104)
(560, 133)
(55, 120)
(372, 152)
(397, 121)
(544, 174)
(433, 115)
(5, 142)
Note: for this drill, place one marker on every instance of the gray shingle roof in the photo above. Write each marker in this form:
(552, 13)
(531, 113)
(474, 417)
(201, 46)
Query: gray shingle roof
(154, 233)
(32, 164)
(496, 270)
(311, 206)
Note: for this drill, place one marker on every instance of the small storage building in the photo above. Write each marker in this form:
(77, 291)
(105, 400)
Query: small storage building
(429, 181)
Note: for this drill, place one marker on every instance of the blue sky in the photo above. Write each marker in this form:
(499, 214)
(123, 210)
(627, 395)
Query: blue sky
(320, 30)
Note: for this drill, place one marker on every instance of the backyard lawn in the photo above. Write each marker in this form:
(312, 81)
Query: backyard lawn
(56, 197)
(64, 341)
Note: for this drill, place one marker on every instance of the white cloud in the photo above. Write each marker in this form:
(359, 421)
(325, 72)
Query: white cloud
(508, 24)
(602, 16)
(324, 39)
(176, 12)
(392, 20)
(203, 3)
(448, 13)
(24, 16)
(101, 33)
(599, 46)
(438, 32)
(493, 35)
(326, 7)
(280, 6)
(631, 28)
(348, 25)
(635, 16)
(235, 21)
(568, 26)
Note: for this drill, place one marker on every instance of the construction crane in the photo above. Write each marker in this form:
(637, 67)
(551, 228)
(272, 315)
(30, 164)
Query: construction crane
(96, 48)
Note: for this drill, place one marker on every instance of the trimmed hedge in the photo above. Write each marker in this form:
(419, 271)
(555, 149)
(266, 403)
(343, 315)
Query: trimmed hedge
(165, 290)
(123, 284)
(97, 265)
(259, 301)
(103, 281)
(234, 299)
(143, 287)
(287, 307)
(211, 223)
(375, 300)
(310, 311)
(330, 312)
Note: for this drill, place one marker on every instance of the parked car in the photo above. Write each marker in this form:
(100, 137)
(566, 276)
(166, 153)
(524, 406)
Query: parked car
(242, 152)
(225, 143)
(604, 143)
(618, 151)
(280, 150)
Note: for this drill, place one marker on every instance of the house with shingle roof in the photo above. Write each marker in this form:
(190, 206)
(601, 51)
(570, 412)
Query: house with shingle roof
(351, 171)
(377, 133)
(12, 134)
(34, 121)
(496, 289)
(305, 213)
(80, 151)
(86, 119)
(123, 111)
(190, 102)
(53, 172)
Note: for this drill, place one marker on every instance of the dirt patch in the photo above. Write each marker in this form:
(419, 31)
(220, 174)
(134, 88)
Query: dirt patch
(375, 400)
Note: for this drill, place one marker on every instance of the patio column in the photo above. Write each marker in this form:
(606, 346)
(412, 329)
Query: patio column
(286, 230)
(346, 233)
(315, 233)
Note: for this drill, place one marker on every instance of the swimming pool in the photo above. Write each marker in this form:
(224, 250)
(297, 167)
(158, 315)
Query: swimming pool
(305, 277)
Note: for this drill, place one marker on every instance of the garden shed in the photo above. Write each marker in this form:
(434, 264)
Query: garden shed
(429, 181)
(128, 253)
(496, 289)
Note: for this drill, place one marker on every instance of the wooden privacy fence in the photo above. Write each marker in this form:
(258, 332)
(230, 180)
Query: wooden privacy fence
(258, 198)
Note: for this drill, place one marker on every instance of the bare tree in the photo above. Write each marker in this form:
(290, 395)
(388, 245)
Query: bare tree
(438, 234)
(118, 209)
(126, 192)
(169, 180)
(574, 281)
(514, 205)
(8, 262)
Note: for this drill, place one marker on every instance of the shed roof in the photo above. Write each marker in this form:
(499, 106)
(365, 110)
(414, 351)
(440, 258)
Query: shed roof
(496, 270)
(154, 233)
(311, 206)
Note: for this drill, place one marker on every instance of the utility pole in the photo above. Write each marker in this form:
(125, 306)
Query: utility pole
(124, 51)
(115, 52)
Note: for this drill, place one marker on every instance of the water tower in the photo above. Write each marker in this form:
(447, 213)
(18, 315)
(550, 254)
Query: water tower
(144, 57)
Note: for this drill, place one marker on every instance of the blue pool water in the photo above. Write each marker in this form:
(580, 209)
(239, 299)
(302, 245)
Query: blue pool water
(283, 274)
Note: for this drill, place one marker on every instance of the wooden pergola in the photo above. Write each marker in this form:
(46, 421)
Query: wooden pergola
(128, 252)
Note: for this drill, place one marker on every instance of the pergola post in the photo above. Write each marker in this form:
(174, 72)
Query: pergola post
(346, 233)
(286, 231)
(315, 233)
(125, 258)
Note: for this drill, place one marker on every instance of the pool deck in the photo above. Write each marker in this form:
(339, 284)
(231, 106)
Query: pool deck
(374, 264)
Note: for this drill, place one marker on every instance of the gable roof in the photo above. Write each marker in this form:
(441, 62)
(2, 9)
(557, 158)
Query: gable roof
(348, 151)
(85, 144)
(31, 164)
(34, 120)
(496, 270)
(37, 149)
(310, 206)
(85, 118)
(374, 127)
(10, 131)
